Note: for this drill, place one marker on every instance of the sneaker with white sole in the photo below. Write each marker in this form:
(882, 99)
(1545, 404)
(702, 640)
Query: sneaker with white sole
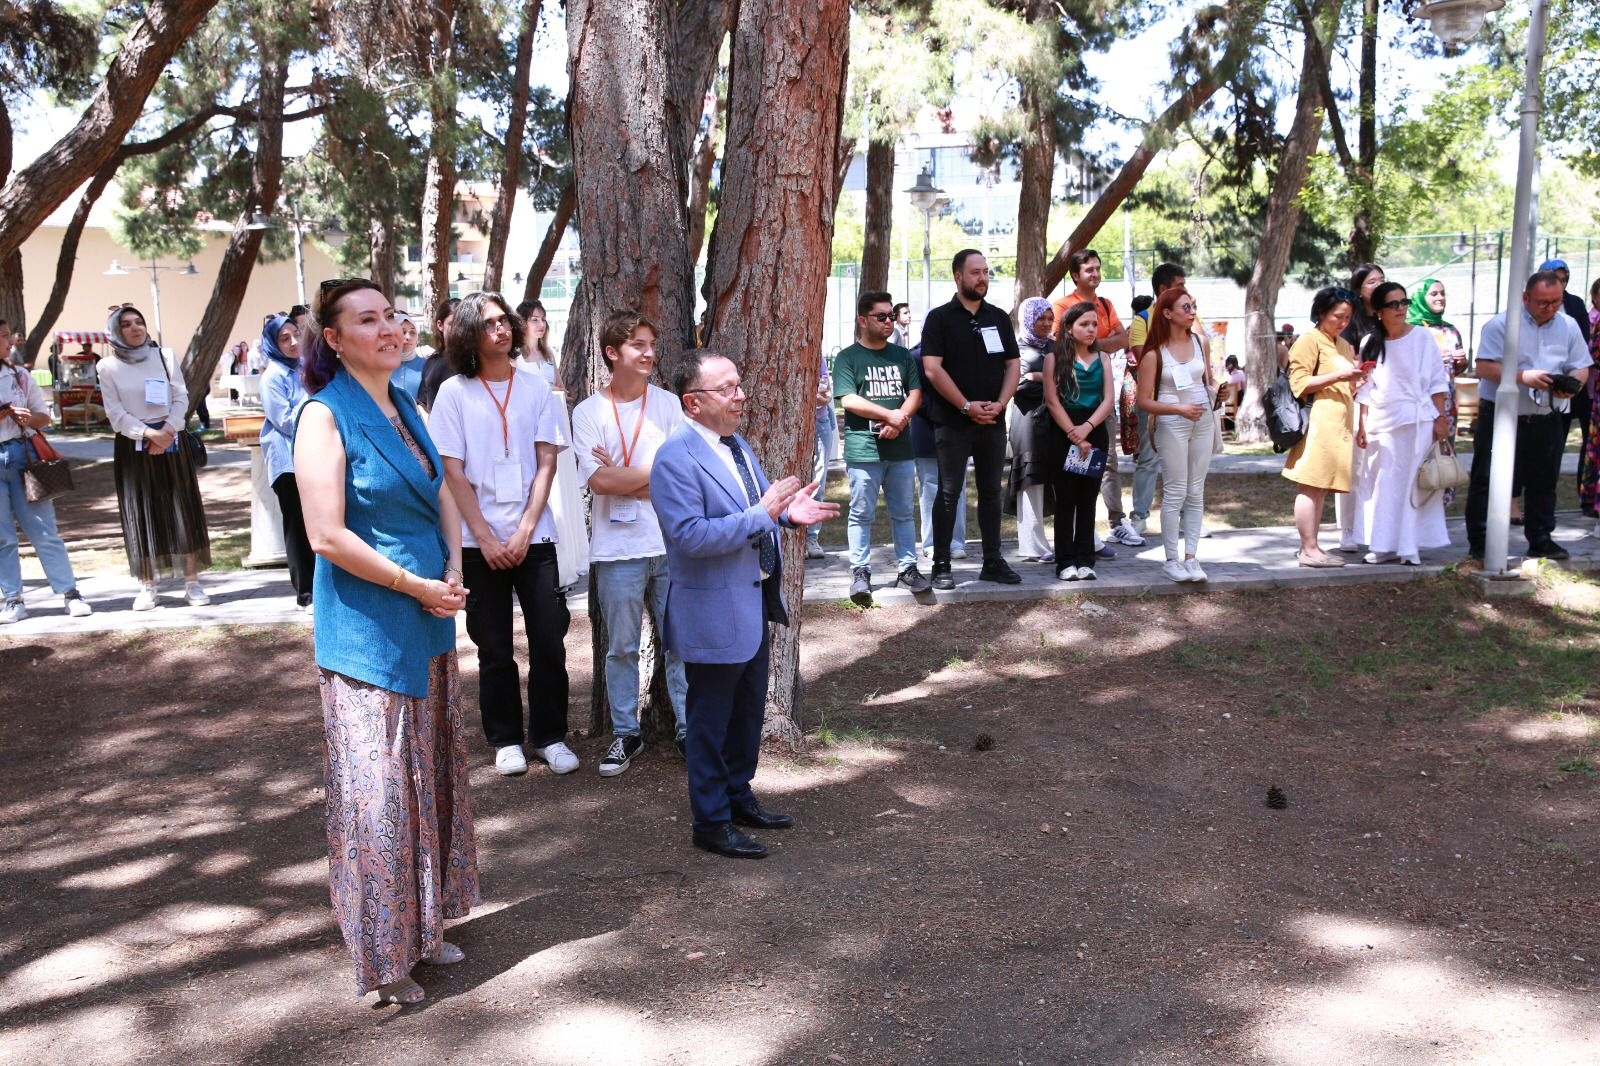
(14, 610)
(1175, 569)
(1124, 533)
(560, 758)
(1067, 573)
(1193, 566)
(1141, 526)
(509, 761)
(195, 593)
(146, 600)
(75, 604)
(620, 755)
(1085, 573)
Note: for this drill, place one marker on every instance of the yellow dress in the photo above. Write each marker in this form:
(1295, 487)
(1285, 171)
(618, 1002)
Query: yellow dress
(1323, 457)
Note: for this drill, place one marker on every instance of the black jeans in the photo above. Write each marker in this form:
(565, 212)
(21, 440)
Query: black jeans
(1076, 497)
(1540, 439)
(956, 442)
(302, 560)
(536, 584)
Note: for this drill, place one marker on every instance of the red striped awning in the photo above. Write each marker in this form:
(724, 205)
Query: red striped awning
(75, 336)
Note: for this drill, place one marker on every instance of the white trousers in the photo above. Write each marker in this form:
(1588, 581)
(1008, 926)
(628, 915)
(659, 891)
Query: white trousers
(1184, 448)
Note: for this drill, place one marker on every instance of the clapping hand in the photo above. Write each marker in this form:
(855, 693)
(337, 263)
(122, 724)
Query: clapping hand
(778, 495)
(806, 511)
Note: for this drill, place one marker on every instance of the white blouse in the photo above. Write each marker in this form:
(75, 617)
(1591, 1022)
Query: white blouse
(1400, 389)
(128, 391)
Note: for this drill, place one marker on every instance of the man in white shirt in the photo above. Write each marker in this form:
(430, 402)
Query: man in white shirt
(615, 433)
(498, 431)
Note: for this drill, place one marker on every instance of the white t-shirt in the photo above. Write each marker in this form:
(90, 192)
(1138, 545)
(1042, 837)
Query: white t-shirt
(623, 527)
(465, 424)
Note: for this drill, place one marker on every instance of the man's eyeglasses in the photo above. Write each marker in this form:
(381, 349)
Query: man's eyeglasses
(727, 392)
(497, 325)
(884, 316)
(1395, 305)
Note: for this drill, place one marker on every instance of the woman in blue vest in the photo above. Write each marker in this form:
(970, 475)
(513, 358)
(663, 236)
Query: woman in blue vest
(401, 855)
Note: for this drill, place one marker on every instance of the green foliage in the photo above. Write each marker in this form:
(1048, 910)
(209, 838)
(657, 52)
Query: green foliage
(46, 45)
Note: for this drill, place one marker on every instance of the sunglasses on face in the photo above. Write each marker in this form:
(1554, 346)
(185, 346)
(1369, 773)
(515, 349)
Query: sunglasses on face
(1395, 305)
(881, 317)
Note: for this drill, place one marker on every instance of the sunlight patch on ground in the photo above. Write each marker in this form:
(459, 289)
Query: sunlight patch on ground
(626, 1036)
(1577, 727)
(925, 795)
(122, 875)
(72, 969)
(116, 1036)
(1404, 1000)
(310, 872)
(829, 766)
(222, 864)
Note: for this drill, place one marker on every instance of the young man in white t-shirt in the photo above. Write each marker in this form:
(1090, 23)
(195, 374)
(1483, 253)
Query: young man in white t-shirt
(498, 430)
(615, 433)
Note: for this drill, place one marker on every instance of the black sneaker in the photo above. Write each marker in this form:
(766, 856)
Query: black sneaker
(861, 587)
(620, 755)
(682, 744)
(942, 577)
(1547, 549)
(1475, 551)
(913, 580)
(1000, 571)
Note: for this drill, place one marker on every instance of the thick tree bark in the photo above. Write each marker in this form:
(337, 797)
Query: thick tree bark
(12, 307)
(1363, 239)
(38, 189)
(381, 253)
(439, 182)
(1038, 157)
(1277, 241)
(511, 162)
(239, 260)
(552, 241)
(67, 258)
(879, 222)
(628, 186)
(770, 254)
(700, 168)
(1241, 39)
(697, 28)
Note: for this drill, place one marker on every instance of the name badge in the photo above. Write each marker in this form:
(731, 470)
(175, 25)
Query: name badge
(507, 481)
(1181, 377)
(155, 392)
(991, 340)
(624, 510)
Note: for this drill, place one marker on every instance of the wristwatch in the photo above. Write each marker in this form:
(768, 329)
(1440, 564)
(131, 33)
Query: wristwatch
(966, 407)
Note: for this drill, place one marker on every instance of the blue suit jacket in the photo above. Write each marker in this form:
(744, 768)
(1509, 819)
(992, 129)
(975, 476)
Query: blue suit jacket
(717, 603)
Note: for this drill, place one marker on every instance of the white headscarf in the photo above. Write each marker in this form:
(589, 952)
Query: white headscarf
(119, 346)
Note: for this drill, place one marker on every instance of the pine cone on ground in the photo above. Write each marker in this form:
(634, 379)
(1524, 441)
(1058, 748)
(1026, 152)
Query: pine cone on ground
(984, 742)
(1276, 799)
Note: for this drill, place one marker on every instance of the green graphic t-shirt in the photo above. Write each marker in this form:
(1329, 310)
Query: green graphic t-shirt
(884, 377)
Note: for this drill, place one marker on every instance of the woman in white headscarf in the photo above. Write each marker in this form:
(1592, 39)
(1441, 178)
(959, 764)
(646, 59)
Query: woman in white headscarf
(1028, 492)
(158, 495)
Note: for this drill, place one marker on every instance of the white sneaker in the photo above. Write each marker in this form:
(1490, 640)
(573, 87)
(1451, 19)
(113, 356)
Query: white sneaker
(558, 757)
(1067, 573)
(1124, 533)
(146, 600)
(1175, 569)
(14, 610)
(1085, 573)
(1193, 566)
(509, 761)
(195, 593)
(1141, 526)
(76, 605)
(958, 551)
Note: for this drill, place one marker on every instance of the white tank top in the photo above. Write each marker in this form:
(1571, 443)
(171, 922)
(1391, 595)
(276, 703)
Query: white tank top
(1169, 390)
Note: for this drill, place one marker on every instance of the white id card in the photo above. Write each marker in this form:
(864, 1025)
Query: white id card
(1181, 377)
(507, 481)
(991, 340)
(624, 510)
(155, 392)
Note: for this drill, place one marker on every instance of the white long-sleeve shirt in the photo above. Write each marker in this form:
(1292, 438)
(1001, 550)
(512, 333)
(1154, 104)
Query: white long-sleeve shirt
(125, 386)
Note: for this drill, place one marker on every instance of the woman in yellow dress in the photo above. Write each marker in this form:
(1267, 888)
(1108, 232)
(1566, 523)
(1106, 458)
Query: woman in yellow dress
(1323, 366)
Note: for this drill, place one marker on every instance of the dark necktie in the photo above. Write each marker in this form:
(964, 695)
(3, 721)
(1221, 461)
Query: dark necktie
(769, 542)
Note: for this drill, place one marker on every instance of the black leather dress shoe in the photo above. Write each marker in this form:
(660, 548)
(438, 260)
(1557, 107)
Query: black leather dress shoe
(726, 840)
(753, 816)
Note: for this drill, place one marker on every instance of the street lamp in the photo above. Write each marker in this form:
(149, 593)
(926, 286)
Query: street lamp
(1456, 21)
(927, 198)
(188, 270)
(329, 230)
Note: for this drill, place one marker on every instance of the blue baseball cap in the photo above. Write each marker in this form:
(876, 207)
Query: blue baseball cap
(1554, 264)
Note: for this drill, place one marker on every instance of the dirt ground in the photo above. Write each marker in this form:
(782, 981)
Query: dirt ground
(1105, 885)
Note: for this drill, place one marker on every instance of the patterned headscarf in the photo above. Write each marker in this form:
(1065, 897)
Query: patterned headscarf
(1419, 313)
(120, 347)
(1032, 308)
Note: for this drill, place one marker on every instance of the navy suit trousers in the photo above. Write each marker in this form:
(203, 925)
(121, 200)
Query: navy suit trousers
(723, 714)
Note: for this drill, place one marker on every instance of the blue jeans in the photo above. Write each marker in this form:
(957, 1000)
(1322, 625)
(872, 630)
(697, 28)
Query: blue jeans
(38, 522)
(827, 430)
(898, 481)
(928, 492)
(620, 586)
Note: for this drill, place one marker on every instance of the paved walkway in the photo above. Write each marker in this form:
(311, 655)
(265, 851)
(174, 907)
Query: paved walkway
(1236, 559)
(94, 449)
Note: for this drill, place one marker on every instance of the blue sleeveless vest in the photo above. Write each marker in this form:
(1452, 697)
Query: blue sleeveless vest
(363, 630)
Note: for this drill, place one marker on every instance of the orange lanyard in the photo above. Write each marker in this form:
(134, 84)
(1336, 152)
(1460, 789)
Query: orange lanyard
(505, 424)
(628, 447)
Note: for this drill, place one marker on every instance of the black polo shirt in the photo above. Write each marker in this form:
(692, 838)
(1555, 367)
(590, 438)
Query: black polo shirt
(961, 338)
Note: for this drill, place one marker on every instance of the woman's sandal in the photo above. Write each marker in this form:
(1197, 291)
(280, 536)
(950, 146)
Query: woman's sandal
(1319, 562)
(404, 992)
(447, 955)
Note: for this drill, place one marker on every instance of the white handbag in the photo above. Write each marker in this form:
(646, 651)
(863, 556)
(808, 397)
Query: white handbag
(1441, 469)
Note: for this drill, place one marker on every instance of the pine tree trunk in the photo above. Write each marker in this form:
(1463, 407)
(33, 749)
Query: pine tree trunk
(770, 254)
(233, 276)
(552, 241)
(704, 162)
(12, 307)
(879, 223)
(38, 189)
(697, 28)
(439, 180)
(628, 185)
(1033, 205)
(66, 261)
(511, 162)
(1363, 240)
(381, 253)
(1277, 241)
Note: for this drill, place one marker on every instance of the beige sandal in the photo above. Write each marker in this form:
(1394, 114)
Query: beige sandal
(447, 955)
(404, 992)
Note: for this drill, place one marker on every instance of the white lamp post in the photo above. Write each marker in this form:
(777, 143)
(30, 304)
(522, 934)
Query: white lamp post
(329, 230)
(1456, 22)
(927, 198)
(188, 270)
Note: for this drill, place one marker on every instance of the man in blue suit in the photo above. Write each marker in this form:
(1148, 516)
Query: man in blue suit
(719, 521)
